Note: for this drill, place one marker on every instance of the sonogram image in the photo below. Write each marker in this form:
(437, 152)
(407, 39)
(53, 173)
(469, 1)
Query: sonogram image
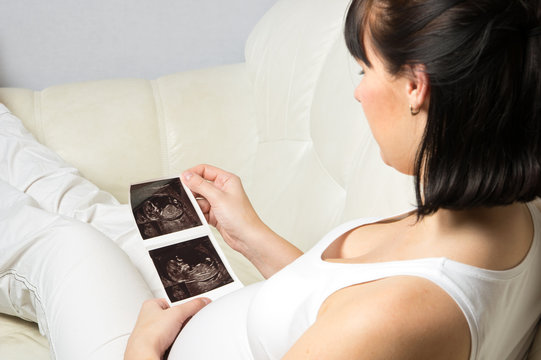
(162, 207)
(190, 268)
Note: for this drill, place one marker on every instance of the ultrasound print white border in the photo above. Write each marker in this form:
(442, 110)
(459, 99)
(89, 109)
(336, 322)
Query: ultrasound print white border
(191, 234)
(213, 294)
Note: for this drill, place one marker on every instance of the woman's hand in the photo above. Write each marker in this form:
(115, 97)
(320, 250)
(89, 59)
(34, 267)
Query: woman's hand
(224, 203)
(226, 207)
(157, 327)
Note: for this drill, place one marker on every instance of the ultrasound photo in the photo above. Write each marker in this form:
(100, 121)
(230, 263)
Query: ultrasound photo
(190, 268)
(162, 207)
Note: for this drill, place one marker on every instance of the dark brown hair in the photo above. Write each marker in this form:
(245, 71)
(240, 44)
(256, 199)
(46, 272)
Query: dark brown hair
(481, 145)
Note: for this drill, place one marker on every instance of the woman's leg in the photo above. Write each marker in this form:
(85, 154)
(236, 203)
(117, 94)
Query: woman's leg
(39, 172)
(79, 286)
(57, 187)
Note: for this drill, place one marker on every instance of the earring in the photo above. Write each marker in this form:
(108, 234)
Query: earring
(413, 113)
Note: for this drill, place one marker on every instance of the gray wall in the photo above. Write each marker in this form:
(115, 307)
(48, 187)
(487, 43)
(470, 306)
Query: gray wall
(49, 42)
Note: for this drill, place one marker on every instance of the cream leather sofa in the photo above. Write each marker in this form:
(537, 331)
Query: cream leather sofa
(285, 121)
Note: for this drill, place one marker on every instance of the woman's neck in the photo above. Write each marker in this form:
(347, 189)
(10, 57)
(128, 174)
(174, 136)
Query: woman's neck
(490, 237)
(482, 217)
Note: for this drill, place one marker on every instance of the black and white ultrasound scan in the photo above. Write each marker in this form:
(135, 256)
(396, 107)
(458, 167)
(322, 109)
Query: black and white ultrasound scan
(180, 243)
(162, 207)
(190, 268)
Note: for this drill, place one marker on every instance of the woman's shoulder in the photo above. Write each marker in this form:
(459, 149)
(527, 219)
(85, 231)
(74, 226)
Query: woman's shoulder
(387, 318)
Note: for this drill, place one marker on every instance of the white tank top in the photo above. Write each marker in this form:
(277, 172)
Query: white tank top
(264, 320)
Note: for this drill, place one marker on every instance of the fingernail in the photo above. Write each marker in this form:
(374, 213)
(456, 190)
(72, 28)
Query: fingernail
(187, 175)
(206, 300)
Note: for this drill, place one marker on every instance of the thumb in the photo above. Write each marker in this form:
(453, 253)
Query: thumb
(200, 186)
(189, 309)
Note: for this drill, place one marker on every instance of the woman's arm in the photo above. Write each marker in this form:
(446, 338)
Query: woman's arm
(225, 205)
(395, 318)
(157, 327)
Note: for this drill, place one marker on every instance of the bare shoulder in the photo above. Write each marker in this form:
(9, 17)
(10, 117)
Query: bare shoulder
(395, 318)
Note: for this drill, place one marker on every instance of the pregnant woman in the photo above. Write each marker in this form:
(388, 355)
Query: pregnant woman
(451, 91)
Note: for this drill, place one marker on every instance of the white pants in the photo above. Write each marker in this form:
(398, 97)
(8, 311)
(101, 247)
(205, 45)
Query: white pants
(71, 258)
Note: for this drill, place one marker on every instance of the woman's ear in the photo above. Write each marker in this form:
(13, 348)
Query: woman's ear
(418, 89)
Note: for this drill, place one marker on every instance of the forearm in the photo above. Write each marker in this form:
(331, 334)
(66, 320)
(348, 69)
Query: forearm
(141, 356)
(268, 251)
(140, 350)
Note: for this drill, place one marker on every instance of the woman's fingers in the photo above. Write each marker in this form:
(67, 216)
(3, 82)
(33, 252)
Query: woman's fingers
(189, 309)
(158, 325)
(220, 178)
(162, 303)
(200, 186)
(207, 172)
(205, 208)
(152, 305)
(204, 205)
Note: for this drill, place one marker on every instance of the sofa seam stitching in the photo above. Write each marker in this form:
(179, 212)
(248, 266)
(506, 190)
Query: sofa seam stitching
(162, 128)
(38, 117)
(310, 110)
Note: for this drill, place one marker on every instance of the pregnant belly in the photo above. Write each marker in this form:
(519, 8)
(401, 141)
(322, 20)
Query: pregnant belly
(218, 331)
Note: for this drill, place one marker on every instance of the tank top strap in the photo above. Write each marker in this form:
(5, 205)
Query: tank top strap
(318, 249)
